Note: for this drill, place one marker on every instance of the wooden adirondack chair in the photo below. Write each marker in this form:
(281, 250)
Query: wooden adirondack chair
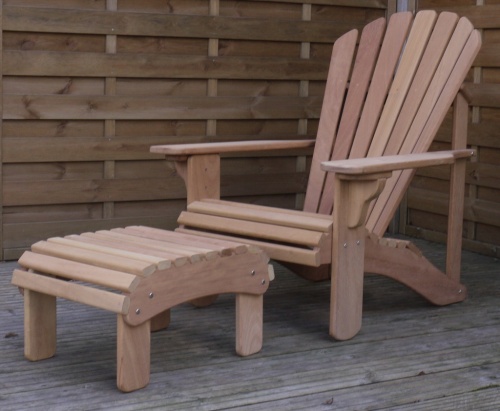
(385, 99)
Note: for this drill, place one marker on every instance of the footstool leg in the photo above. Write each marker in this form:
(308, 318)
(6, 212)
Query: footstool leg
(249, 320)
(133, 355)
(204, 301)
(161, 321)
(39, 325)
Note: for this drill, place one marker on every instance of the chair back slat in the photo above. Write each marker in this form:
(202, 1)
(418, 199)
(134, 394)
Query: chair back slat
(438, 42)
(441, 93)
(414, 114)
(399, 91)
(368, 50)
(336, 84)
(408, 65)
(390, 53)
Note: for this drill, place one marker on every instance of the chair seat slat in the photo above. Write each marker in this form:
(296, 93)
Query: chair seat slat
(243, 228)
(261, 214)
(310, 257)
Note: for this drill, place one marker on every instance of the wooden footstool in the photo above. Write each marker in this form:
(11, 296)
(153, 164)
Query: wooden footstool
(138, 273)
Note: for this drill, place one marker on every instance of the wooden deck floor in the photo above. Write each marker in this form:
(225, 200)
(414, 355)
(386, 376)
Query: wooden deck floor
(409, 355)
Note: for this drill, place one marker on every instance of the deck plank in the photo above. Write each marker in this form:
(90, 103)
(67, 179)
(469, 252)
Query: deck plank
(409, 355)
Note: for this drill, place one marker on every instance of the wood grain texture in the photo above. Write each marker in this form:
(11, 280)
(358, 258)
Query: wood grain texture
(453, 349)
(92, 86)
(481, 93)
(166, 25)
(250, 62)
(415, 92)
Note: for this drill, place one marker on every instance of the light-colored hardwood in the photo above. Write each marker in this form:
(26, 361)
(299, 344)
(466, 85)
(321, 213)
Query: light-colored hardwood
(248, 228)
(457, 190)
(348, 270)
(338, 76)
(117, 247)
(260, 214)
(230, 147)
(133, 360)
(73, 270)
(79, 271)
(371, 165)
(204, 168)
(455, 63)
(161, 264)
(249, 311)
(244, 273)
(223, 247)
(390, 53)
(99, 258)
(94, 297)
(408, 356)
(371, 38)
(392, 119)
(39, 325)
(313, 257)
(74, 52)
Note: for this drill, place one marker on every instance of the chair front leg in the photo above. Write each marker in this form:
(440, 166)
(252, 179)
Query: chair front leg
(201, 174)
(352, 199)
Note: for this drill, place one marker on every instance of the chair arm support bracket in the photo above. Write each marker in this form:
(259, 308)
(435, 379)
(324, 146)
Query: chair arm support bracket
(360, 191)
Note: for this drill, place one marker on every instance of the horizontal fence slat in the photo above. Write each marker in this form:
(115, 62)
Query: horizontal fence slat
(68, 107)
(168, 25)
(56, 149)
(20, 193)
(478, 174)
(488, 55)
(378, 4)
(150, 65)
(478, 211)
(483, 95)
(484, 134)
(485, 16)
(88, 191)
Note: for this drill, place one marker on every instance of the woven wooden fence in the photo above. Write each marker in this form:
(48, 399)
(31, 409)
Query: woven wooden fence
(88, 86)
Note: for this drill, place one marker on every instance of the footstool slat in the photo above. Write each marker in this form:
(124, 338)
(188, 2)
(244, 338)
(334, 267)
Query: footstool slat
(103, 239)
(94, 297)
(194, 253)
(153, 244)
(99, 259)
(223, 247)
(73, 270)
(173, 243)
(160, 263)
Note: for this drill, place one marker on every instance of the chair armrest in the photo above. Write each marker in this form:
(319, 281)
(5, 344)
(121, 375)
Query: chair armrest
(199, 164)
(373, 165)
(174, 150)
